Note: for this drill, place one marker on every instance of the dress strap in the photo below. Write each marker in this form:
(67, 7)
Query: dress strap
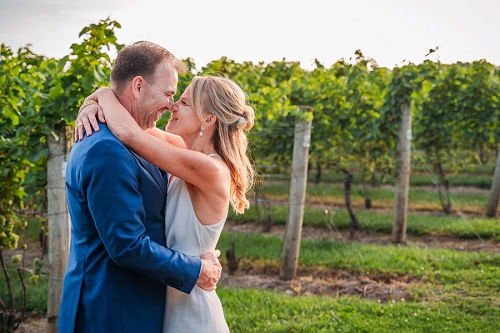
(212, 155)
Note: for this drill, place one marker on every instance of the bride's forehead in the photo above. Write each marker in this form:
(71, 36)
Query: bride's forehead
(186, 92)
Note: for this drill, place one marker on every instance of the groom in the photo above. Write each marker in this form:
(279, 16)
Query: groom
(118, 266)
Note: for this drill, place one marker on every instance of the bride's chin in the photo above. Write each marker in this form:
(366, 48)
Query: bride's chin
(170, 130)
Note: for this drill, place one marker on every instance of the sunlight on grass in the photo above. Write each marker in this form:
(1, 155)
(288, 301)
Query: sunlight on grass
(436, 265)
(267, 311)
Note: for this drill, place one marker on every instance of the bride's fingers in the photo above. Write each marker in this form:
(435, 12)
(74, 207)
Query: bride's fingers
(94, 122)
(87, 125)
(211, 255)
(78, 130)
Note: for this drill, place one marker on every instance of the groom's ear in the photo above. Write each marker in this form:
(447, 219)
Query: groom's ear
(137, 86)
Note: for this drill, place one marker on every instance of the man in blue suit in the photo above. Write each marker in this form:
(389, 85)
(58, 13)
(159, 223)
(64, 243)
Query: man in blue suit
(118, 266)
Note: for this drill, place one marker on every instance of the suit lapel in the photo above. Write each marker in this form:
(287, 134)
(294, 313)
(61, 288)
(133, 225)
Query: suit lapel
(153, 171)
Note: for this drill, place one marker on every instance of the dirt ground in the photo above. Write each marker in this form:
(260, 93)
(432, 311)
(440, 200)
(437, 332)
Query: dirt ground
(382, 288)
(34, 324)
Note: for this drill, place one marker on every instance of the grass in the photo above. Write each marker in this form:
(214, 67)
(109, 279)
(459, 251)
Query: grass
(457, 292)
(461, 270)
(481, 179)
(268, 311)
(419, 166)
(380, 196)
(417, 224)
(37, 295)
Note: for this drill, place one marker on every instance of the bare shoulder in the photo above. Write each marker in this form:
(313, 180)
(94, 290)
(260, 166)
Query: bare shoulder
(223, 168)
(217, 177)
(211, 198)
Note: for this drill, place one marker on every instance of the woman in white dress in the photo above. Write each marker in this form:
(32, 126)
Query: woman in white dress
(211, 117)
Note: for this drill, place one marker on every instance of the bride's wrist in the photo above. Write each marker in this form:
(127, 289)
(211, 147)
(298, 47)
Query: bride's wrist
(87, 102)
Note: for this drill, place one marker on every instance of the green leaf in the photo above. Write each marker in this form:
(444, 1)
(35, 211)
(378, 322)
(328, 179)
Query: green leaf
(56, 92)
(15, 153)
(9, 112)
(99, 74)
(88, 82)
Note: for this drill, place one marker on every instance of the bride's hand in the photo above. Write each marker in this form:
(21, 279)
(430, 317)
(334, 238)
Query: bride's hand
(88, 116)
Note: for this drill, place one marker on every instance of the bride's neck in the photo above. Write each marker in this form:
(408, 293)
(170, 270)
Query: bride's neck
(201, 146)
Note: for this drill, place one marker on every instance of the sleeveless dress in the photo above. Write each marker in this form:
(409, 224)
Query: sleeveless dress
(200, 311)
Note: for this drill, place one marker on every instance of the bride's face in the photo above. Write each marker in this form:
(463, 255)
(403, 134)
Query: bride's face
(184, 121)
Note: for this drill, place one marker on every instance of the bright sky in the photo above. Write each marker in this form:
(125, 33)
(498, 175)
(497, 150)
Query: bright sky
(389, 31)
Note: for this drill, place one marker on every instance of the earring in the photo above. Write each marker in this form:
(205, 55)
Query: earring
(202, 129)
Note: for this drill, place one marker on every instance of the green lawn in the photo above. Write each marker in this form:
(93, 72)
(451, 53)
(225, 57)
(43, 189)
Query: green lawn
(330, 192)
(249, 310)
(479, 176)
(456, 291)
(461, 270)
(268, 311)
(417, 224)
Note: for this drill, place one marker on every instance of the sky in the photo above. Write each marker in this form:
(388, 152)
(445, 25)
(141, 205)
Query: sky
(389, 31)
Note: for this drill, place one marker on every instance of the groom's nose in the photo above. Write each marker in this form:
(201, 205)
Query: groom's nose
(170, 104)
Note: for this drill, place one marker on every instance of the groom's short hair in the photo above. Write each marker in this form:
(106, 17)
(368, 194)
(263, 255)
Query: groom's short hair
(141, 59)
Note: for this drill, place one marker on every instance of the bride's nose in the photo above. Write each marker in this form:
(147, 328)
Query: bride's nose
(174, 107)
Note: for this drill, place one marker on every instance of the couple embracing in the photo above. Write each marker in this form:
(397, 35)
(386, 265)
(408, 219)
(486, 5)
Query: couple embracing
(148, 206)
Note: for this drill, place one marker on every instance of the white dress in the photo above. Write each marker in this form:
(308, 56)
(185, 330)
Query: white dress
(200, 311)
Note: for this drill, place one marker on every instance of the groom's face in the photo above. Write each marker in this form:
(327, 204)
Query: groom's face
(157, 95)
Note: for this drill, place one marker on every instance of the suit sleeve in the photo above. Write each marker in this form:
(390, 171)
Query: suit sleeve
(109, 178)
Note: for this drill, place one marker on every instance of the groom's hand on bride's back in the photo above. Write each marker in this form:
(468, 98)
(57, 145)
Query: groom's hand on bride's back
(210, 270)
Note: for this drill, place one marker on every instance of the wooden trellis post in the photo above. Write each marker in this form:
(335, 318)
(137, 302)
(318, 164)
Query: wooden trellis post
(495, 190)
(298, 185)
(58, 220)
(403, 177)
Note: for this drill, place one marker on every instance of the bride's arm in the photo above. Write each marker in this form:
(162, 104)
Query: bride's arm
(89, 118)
(166, 136)
(196, 168)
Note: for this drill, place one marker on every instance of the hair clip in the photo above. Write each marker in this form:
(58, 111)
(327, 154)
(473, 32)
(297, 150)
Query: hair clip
(241, 123)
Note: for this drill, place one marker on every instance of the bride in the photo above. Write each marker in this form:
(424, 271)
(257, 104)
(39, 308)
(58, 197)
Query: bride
(211, 117)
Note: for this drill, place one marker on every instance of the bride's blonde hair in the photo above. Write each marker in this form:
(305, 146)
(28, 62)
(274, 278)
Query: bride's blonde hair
(225, 99)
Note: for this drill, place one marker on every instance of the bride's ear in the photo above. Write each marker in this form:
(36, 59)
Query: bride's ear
(210, 120)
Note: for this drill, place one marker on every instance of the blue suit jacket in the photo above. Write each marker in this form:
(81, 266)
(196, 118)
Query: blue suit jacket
(118, 266)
